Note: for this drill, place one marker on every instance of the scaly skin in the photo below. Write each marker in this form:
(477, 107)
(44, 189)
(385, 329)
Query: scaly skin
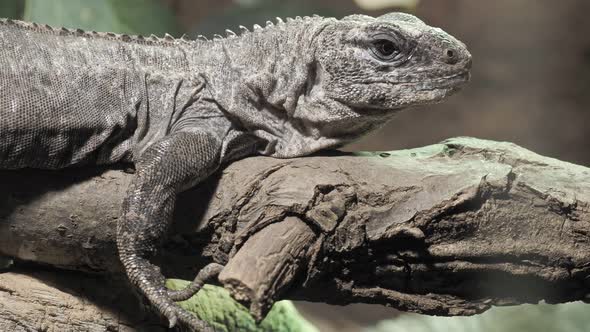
(179, 109)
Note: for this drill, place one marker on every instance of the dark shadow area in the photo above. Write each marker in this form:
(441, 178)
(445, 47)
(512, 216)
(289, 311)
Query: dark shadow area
(21, 187)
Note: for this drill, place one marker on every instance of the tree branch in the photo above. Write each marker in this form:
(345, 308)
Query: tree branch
(448, 229)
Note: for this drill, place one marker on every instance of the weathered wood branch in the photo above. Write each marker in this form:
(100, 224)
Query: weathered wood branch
(448, 229)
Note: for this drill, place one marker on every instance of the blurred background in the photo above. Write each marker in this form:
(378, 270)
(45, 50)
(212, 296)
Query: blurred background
(530, 86)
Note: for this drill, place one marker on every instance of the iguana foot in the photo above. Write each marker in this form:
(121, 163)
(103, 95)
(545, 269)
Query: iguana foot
(150, 281)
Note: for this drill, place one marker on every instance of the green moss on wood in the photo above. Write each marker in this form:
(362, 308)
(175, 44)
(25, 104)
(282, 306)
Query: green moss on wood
(215, 306)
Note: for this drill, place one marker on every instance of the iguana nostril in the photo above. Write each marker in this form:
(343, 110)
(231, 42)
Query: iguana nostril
(451, 56)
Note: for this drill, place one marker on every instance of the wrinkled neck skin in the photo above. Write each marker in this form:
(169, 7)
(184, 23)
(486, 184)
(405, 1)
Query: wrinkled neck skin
(268, 82)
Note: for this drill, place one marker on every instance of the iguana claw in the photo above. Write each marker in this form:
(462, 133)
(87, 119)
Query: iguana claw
(172, 321)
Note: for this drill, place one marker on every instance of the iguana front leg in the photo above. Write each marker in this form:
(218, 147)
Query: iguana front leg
(169, 166)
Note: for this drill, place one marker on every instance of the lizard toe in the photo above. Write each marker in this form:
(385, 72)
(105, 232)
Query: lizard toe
(208, 273)
(172, 320)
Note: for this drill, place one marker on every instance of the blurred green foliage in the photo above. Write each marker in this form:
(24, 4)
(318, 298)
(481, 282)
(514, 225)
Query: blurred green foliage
(215, 306)
(128, 16)
(571, 317)
(10, 8)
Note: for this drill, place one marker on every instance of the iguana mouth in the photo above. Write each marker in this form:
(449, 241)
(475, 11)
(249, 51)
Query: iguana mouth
(450, 82)
(461, 76)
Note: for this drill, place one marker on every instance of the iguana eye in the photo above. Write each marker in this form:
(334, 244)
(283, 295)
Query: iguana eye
(385, 50)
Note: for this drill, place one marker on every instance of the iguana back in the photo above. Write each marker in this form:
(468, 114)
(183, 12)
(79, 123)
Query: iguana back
(72, 97)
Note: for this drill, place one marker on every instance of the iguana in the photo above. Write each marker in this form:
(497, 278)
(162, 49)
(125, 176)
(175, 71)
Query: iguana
(179, 109)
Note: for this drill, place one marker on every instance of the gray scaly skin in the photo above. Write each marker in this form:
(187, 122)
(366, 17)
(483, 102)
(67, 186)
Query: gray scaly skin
(178, 109)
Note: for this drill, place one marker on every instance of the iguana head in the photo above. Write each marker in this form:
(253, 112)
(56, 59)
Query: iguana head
(386, 63)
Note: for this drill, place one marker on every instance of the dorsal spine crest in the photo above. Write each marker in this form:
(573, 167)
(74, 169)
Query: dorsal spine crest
(62, 31)
(152, 39)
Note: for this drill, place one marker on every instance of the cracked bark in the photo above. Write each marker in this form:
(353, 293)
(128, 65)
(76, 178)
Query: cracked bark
(448, 229)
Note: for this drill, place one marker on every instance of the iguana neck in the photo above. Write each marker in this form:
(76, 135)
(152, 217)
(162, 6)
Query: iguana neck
(270, 84)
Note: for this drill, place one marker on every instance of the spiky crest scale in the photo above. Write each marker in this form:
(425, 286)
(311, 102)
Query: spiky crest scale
(243, 29)
(62, 31)
(229, 33)
(152, 39)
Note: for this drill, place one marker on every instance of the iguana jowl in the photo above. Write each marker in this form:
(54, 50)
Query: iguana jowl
(179, 109)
